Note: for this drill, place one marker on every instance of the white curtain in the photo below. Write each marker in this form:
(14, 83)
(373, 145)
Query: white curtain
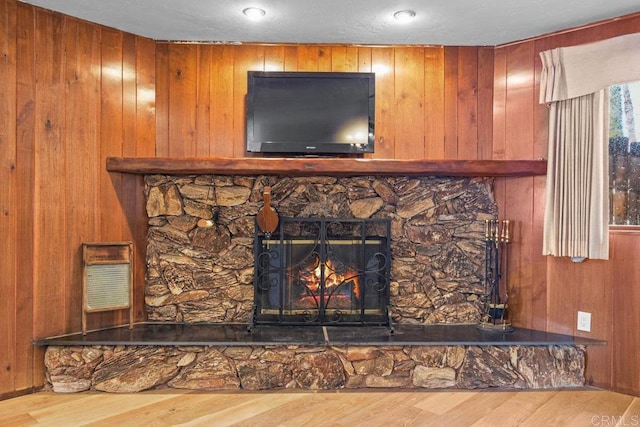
(574, 81)
(576, 210)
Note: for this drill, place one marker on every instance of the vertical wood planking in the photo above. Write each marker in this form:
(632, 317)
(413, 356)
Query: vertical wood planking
(451, 102)
(499, 104)
(540, 150)
(145, 147)
(485, 103)
(467, 102)
(597, 301)
(111, 132)
(625, 283)
(560, 310)
(246, 58)
(518, 210)
(364, 66)
(325, 58)
(427, 87)
(145, 142)
(111, 221)
(539, 279)
(24, 255)
(519, 109)
(146, 97)
(8, 198)
(80, 132)
(498, 148)
(339, 60)
(519, 192)
(127, 196)
(409, 96)
(309, 58)
(162, 100)
(51, 253)
(182, 93)
(274, 58)
(434, 103)
(364, 59)
(203, 102)
(382, 64)
(221, 101)
(344, 58)
(290, 58)
(129, 99)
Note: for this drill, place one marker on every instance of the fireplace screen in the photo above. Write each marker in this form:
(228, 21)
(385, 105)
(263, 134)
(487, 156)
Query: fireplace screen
(323, 271)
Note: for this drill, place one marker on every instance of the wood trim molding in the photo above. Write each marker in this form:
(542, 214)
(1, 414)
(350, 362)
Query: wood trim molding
(324, 166)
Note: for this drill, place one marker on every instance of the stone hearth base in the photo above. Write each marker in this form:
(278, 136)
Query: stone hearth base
(118, 368)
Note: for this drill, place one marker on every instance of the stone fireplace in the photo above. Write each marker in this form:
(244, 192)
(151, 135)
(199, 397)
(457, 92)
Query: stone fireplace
(202, 289)
(200, 253)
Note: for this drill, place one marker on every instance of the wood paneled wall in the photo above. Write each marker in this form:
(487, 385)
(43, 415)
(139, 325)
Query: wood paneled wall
(431, 102)
(547, 292)
(71, 93)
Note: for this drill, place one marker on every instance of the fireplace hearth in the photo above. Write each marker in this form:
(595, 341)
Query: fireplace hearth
(202, 290)
(320, 271)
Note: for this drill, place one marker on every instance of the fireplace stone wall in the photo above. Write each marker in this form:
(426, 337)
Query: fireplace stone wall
(129, 369)
(200, 269)
(201, 229)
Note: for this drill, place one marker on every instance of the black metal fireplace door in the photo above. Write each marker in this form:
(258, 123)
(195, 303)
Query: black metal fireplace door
(320, 271)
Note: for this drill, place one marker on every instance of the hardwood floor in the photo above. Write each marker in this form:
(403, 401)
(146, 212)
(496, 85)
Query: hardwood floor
(170, 407)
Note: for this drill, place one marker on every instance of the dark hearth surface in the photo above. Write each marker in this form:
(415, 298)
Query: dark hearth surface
(226, 334)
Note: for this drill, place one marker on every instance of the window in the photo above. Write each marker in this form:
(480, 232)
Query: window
(624, 154)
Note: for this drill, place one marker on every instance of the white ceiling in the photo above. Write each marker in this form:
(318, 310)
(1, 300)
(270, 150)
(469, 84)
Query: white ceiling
(438, 22)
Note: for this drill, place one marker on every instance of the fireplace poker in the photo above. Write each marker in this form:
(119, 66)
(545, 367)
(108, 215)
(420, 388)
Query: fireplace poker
(497, 267)
(505, 263)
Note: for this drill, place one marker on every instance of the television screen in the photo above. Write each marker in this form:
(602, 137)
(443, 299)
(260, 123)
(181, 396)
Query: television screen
(310, 113)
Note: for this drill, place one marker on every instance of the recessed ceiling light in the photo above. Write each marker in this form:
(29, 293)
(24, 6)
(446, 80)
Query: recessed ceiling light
(254, 12)
(404, 15)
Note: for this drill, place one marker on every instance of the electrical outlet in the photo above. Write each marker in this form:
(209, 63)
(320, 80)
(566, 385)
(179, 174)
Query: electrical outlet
(584, 321)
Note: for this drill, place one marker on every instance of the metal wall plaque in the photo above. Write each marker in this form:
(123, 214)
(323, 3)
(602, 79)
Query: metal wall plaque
(107, 278)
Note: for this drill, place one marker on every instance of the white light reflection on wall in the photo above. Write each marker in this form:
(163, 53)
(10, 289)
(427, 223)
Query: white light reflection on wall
(380, 69)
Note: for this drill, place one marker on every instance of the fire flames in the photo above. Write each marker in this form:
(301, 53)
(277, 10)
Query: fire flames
(337, 285)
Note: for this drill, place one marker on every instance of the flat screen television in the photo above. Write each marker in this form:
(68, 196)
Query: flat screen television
(310, 113)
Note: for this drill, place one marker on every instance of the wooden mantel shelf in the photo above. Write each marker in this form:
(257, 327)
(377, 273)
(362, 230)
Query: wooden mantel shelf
(324, 166)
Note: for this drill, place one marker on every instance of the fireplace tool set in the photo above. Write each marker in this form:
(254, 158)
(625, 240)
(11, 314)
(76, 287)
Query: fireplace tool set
(497, 239)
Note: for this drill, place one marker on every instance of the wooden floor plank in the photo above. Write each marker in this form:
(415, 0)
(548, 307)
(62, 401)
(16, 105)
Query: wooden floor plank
(632, 415)
(241, 411)
(579, 409)
(31, 402)
(440, 403)
(175, 410)
(19, 421)
(318, 408)
(516, 409)
(348, 408)
(377, 406)
(479, 406)
(95, 406)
